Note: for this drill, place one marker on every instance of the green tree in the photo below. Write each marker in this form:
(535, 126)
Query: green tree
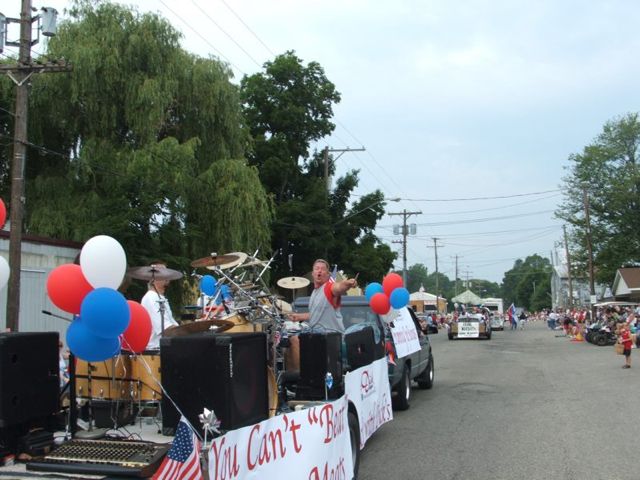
(289, 106)
(417, 276)
(528, 283)
(607, 171)
(142, 141)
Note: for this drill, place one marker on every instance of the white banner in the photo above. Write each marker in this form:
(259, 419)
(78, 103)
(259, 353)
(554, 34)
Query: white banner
(310, 444)
(368, 389)
(405, 334)
(468, 329)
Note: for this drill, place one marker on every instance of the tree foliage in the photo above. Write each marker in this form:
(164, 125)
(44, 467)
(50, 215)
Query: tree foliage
(528, 283)
(287, 107)
(142, 141)
(607, 171)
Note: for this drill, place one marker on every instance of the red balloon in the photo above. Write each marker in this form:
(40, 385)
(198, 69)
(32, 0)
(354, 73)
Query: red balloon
(67, 287)
(137, 335)
(3, 213)
(379, 303)
(391, 282)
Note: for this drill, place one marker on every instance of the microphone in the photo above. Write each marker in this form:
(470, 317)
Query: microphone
(47, 312)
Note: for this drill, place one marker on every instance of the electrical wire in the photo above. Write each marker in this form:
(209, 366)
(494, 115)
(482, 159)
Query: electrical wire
(247, 27)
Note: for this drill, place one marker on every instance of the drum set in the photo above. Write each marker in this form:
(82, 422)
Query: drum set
(135, 379)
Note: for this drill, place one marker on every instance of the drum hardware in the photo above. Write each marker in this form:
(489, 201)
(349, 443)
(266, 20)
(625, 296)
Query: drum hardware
(200, 326)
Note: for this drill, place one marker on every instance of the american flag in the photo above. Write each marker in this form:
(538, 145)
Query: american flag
(183, 460)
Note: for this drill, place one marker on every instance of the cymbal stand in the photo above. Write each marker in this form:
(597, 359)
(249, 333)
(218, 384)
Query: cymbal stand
(160, 300)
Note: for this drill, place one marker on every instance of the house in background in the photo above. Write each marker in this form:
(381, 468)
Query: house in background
(427, 302)
(40, 256)
(626, 284)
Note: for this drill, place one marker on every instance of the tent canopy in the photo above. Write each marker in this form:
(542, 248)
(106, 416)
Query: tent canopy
(467, 297)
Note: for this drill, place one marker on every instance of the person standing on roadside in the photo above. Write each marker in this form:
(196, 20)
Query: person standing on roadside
(625, 340)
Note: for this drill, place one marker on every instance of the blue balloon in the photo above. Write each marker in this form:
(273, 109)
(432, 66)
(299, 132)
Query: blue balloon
(105, 312)
(208, 285)
(372, 289)
(89, 347)
(399, 297)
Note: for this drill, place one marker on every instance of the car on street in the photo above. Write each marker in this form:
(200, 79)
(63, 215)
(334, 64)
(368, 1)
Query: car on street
(418, 366)
(497, 322)
(470, 325)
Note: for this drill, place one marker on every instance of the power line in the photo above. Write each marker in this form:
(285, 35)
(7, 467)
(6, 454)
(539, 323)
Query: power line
(247, 27)
(227, 34)
(479, 198)
(479, 220)
(204, 39)
(495, 208)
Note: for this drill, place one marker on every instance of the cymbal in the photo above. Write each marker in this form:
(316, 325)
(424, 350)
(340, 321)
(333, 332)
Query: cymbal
(153, 272)
(199, 326)
(227, 260)
(293, 283)
(254, 263)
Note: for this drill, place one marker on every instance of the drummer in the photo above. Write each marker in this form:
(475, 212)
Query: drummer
(155, 302)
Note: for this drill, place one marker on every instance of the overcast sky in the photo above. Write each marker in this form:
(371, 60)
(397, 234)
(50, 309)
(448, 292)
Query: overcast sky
(451, 99)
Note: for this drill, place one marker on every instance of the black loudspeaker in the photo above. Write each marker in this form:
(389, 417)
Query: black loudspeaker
(225, 373)
(320, 353)
(362, 348)
(29, 377)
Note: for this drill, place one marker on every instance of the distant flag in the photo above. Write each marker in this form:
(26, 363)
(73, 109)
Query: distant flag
(334, 273)
(512, 312)
(183, 460)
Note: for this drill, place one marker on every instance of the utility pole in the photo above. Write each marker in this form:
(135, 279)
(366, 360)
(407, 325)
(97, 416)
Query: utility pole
(566, 251)
(325, 155)
(585, 199)
(20, 73)
(435, 249)
(405, 232)
(456, 288)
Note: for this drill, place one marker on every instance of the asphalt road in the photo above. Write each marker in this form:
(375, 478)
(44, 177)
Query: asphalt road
(523, 405)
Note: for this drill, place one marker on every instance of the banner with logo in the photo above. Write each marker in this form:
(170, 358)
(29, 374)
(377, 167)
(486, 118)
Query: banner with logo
(405, 334)
(311, 444)
(368, 389)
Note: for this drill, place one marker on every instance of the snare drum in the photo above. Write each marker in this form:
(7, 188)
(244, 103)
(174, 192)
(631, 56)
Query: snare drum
(109, 378)
(241, 324)
(145, 370)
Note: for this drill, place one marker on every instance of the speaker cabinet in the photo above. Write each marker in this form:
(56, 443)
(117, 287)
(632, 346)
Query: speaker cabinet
(29, 376)
(225, 373)
(320, 353)
(362, 348)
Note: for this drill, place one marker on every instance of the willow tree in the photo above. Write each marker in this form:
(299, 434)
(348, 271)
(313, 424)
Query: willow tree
(142, 141)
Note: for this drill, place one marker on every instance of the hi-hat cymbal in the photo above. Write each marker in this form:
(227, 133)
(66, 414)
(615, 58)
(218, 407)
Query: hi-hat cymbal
(199, 326)
(153, 272)
(293, 283)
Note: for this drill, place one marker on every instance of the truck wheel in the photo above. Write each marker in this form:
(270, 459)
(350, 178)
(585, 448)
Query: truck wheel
(425, 380)
(354, 433)
(401, 400)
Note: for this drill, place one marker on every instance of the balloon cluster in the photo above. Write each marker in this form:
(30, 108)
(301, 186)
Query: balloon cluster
(391, 293)
(103, 315)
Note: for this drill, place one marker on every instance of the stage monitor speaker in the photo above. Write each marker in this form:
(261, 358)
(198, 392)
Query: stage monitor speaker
(29, 377)
(320, 353)
(226, 373)
(361, 347)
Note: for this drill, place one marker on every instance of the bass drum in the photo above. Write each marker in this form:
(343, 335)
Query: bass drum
(145, 370)
(241, 323)
(107, 380)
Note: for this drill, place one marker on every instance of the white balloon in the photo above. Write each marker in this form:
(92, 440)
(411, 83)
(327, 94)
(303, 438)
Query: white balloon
(103, 262)
(4, 272)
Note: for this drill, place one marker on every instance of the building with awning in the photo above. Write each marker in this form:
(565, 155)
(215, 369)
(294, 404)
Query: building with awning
(425, 302)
